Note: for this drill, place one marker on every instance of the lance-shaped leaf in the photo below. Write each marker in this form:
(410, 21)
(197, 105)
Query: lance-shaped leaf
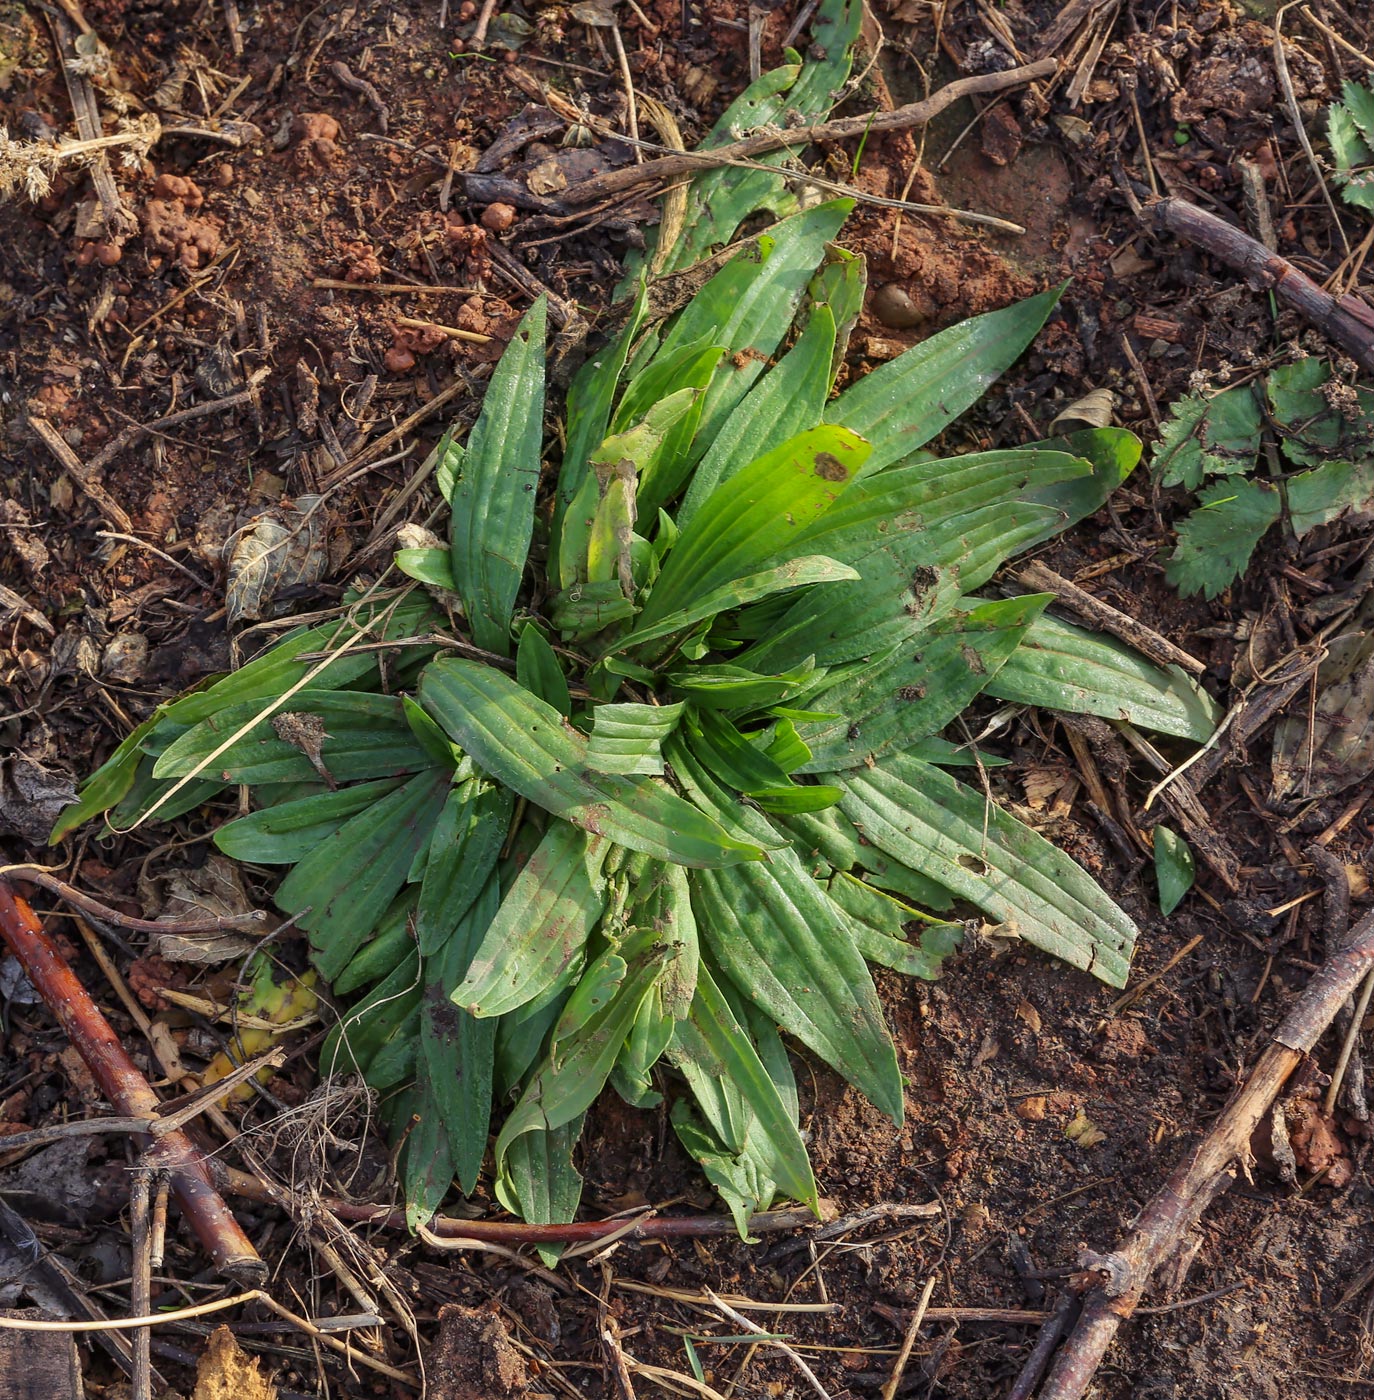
(347, 734)
(919, 688)
(288, 832)
(566, 1084)
(1066, 668)
(537, 1181)
(903, 404)
(786, 947)
(542, 926)
(737, 1094)
(456, 1048)
(628, 738)
(527, 745)
(495, 485)
(881, 924)
(732, 758)
(467, 840)
(391, 944)
(756, 518)
(342, 888)
(429, 1160)
(928, 821)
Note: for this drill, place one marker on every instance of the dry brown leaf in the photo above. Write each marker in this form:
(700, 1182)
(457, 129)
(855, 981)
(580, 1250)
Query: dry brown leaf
(284, 547)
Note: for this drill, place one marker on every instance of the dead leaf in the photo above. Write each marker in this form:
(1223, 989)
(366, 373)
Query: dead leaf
(305, 732)
(285, 547)
(31, 797)
(227, 1372)
(1325, 751)
(1083, 1132)
(215, 890)
(1028, 1014)
(1093, 410)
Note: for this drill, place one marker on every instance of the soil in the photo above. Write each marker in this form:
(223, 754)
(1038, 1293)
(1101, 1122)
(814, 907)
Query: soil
(272, 288)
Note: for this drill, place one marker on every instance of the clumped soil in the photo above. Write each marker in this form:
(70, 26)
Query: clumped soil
(274, 287)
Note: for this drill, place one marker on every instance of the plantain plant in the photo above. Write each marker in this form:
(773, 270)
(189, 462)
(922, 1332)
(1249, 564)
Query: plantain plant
(650, 767)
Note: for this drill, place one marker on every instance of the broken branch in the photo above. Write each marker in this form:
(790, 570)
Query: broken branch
(1120, 1278)
(1345, 320)
(128, 1091)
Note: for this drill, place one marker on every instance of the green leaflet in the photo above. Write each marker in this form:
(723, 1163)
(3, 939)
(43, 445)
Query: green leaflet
(738, 689)
(429, 1163)
(1204, 437)
(754, 519)
(566, 1084)
(391, 943)
(796, 573)
(494, 487)
(788, 400)
(923, 818)
(748, 307)
(627, 738)
(919, 689)
(542, 925)
(341, 889)
(903, 404)
(733, 759)
(1066, 668)
(364, 736)
(1174, 868)
(786, 947)
(527, 745)
(457, 1049)
(879, 924)
(467, 840)
(287, 833)
(738, 1096)
(538, 670)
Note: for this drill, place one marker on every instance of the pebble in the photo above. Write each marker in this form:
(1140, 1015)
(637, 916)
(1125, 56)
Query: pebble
(498, 217)
(398, 359)
(894, 307)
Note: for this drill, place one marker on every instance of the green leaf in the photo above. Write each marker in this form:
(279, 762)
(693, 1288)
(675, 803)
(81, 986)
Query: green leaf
(341, 889)
(391, 944)
(457, 1049)
(1313, 430)
(494, 489)
(542, 925)
(538, 1183)
(801, 572)
(108, 784)
(1174, 869)
(789, 399)
(737, 762)
(385, 1022)
(286, 833)
(1216, 541)
(1065, 668)
(365, 736)
(1321, 495)
(431, 566)
(785, 946)
(463, 851)
(880, 925)
(911, 694)
(756, 518)
(537, 668)
(1216, 436)
(566, 1084)
(749, 305)
(738, 1095)
(1350, 129)
(927, 821)
(627, 739)
(429, 1164)
(903, 404)
(738, 689)
(527, 745)
(590, 397)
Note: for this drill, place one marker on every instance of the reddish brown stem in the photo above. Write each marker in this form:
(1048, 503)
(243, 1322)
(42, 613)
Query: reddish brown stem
(1346, 320)
(516, 1232)
(127, 1090)
(1121, 1277)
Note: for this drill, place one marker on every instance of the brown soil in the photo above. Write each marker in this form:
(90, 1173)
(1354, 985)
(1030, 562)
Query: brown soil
(1038, 1118)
